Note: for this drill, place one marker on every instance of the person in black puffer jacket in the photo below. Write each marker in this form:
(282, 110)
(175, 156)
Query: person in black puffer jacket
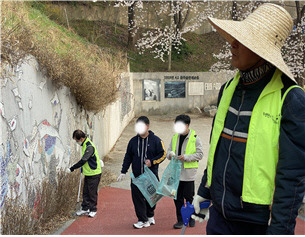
(143, 149)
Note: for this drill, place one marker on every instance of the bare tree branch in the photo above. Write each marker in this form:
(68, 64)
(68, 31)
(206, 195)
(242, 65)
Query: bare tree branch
(186, 17)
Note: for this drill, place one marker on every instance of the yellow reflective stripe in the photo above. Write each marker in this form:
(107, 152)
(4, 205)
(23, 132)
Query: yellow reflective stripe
(162, 158)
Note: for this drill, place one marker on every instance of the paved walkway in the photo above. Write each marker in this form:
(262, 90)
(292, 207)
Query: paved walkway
(116, 215)
(115, 209)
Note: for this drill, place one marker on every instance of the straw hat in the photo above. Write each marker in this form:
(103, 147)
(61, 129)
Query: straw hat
(264, 32)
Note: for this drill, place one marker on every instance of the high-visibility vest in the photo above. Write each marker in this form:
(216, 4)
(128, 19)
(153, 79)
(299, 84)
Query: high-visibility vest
(87, 170)
(190, 149)
(262, 149)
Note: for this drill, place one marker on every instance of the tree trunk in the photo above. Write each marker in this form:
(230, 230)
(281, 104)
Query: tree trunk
(297, 5)
(300, 12)
(234, 11)
(170, 40)
(131, 24)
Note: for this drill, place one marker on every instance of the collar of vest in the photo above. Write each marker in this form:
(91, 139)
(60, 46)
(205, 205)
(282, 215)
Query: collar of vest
(191, 132)
(84, 142)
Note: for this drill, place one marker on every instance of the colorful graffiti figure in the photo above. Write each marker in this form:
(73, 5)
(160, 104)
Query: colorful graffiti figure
(47, 152)
(4, 160)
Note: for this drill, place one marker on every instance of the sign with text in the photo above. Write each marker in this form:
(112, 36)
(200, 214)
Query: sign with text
(196, 88)
(208, 86)
(216, 86)
(181, 77)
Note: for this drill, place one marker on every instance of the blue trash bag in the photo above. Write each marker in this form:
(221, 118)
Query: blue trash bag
(147, 183)
(170, 179)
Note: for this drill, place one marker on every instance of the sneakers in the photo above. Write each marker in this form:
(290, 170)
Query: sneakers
(86, 212)
(192, 223)
(82, 212)
(92, 214)
(178, 225)
(151, 220)
(141, 224)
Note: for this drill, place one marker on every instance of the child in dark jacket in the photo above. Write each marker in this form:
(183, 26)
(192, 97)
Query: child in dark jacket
(143, 149)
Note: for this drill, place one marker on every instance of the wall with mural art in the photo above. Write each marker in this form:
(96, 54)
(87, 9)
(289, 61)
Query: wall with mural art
(37, 120)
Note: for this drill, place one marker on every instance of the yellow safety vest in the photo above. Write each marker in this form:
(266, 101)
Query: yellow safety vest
(190, 149)
(87, 171)
(262, 149)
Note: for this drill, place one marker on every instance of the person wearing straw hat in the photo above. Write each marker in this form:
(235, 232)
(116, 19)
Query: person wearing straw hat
(255, 174)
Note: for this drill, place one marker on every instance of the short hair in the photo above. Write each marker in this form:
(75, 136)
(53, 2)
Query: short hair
(183, 118)
(78, 134)
(143, 119)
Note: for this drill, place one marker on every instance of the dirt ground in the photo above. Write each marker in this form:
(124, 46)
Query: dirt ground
(162, 126)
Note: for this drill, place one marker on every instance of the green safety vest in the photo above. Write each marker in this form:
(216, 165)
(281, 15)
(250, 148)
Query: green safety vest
(190, 149)
(87, 171)
(262, 149)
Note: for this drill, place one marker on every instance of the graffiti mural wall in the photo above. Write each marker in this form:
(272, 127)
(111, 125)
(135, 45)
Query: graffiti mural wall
(37, 121)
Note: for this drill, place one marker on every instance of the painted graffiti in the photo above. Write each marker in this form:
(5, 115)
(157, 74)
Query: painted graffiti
(4, 160)
(47, 151)
(42, 151)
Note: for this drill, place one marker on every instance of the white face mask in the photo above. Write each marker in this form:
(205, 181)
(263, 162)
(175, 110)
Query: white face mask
(140, 128)
(79, 143)
(180, 127)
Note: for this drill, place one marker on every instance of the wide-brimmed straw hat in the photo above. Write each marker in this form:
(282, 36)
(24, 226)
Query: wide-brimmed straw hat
(264, 32)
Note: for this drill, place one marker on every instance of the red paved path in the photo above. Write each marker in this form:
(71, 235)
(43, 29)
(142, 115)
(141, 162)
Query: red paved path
(116, 215)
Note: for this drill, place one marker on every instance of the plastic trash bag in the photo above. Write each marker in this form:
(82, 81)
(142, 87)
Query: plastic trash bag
(170, 179)
(147, 183)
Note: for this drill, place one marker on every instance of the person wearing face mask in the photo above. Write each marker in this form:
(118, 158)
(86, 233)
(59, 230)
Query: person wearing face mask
(256, 165)
(187, 147)
(91, 168)
(143, 149)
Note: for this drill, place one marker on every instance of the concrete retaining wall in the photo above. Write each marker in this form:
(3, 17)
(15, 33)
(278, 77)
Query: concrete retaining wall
(37, 121)
(204, 84)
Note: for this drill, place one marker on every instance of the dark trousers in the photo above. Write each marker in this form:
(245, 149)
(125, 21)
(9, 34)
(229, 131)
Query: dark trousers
(141, 206)
(218, 225)
(186, 190)
(90, 192)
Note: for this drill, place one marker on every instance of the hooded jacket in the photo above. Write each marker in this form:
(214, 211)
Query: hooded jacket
(140, 149)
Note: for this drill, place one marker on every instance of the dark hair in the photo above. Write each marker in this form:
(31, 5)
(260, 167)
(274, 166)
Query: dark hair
(143, 119)
(78, 134)
(183, 118)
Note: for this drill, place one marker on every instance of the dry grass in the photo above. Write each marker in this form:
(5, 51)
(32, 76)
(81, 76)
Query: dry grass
(107, 178)
(55, 204)
(107, 158)
(17, 218)
(91, 73)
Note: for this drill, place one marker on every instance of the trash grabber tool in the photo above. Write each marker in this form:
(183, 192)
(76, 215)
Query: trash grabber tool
(187, 210)
(79, 186)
